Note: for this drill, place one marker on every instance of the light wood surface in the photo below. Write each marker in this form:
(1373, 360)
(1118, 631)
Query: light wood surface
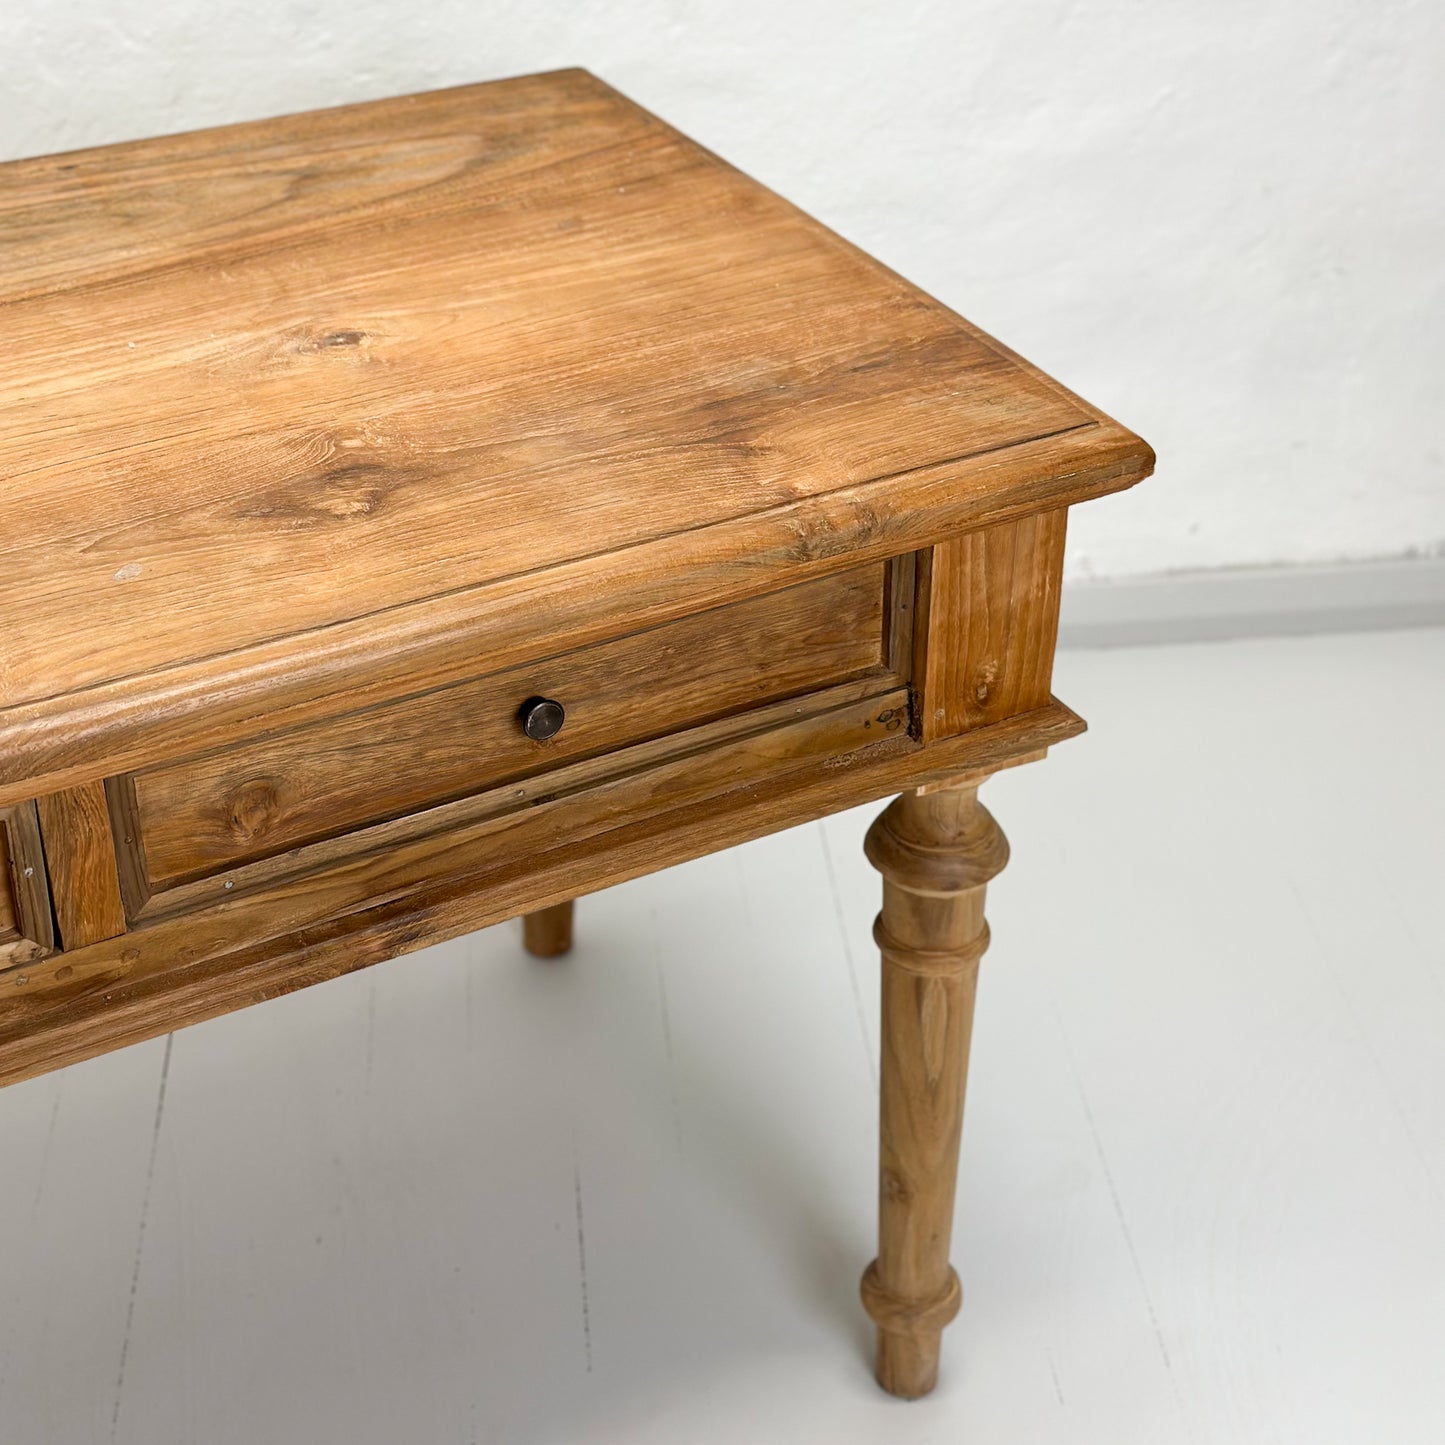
(692, 763)
(27, 929)
(295, 787)
(80, 857)
(321, 350)
(9, 908)
(988, 615)
(547, 933)
(936, 851)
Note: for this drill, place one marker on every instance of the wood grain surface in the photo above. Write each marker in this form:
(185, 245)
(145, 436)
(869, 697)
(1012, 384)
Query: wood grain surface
(314, 403)
(989, 621)
(937, 851)
(547, 933)
(27, 928)
(9, 908)
(294, 787)
(687, 750)
(80, 857)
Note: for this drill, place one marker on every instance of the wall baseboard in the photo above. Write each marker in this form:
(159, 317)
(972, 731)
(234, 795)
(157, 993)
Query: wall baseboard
(1254, 602)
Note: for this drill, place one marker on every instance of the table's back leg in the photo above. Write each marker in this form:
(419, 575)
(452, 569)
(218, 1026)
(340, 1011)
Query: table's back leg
(936, 850)
(547, 933)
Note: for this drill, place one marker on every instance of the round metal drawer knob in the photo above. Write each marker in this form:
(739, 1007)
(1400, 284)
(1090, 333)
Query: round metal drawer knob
(542, 718)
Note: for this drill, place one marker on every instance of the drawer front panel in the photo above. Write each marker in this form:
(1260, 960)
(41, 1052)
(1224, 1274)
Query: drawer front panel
(201, 816)
(26, 928)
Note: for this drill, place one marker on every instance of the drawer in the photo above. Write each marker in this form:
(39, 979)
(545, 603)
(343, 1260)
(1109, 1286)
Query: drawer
(195, 818)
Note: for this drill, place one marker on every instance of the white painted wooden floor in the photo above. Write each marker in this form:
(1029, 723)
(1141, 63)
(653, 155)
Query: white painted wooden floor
(469, 1197)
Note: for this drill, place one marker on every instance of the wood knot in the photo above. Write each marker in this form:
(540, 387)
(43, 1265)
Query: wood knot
(893, 1186)
(310, 343)
(253, 809)
(349, 492)
(343, 493)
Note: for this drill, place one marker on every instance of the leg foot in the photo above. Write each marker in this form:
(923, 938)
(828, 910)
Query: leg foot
(936, 851)
(547, 933)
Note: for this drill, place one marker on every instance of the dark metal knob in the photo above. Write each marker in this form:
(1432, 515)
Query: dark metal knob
(542, 718)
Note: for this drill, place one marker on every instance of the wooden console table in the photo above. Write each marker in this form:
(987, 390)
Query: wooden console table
(422, 513)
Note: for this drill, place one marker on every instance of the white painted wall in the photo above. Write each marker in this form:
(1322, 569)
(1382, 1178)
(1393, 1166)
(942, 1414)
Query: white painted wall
(1224, 222)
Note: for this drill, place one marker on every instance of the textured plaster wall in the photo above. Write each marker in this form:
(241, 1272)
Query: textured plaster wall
(1224, 222)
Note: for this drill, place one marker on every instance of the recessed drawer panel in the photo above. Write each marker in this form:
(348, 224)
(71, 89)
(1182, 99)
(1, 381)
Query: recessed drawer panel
(206, 814)
(26, 928)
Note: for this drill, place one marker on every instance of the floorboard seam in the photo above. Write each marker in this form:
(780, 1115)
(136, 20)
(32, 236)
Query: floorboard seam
(140, 1236)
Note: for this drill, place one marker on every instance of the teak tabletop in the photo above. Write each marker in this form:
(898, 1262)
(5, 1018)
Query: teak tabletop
(423, 512)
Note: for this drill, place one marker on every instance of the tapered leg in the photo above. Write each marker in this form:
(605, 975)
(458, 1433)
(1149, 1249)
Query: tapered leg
(547, 933)
(936, 850)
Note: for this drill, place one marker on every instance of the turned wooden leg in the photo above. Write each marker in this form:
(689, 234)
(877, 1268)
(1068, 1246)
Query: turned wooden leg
(936, 850)
(547, 933)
